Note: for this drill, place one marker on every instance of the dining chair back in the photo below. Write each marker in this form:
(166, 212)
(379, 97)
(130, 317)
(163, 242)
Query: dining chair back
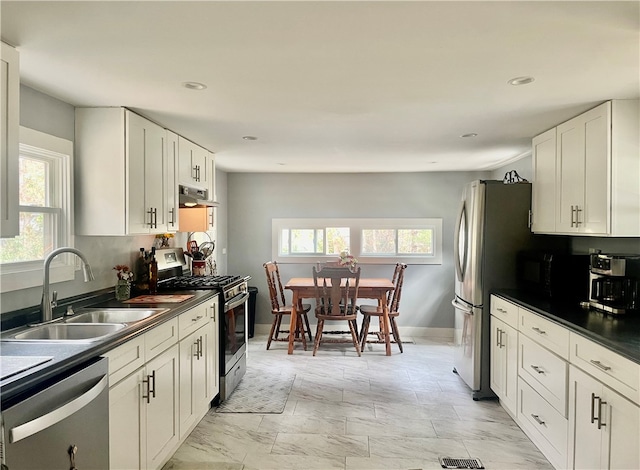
(336, 297)
(279, 308)
(393, 307)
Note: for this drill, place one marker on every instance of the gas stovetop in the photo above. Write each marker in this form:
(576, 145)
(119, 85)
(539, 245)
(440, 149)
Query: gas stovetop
(203, 282)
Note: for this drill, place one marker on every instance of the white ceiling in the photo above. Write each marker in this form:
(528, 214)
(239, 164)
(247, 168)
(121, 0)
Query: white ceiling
(336, 86)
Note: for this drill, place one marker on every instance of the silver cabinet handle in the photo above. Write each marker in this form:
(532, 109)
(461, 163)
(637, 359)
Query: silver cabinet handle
(572, 218)
(600, 403)
(150, 212)
(151, 386)
(196, 318)
(539, 331)
(537, 418)
(578, 210)
(53, 417)
(172, 220)
(600, 365)
(498, 337)
(598, 418)
(537, 369)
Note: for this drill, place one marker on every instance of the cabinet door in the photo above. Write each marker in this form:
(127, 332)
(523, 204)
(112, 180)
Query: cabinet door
(213, 371)
(621, 427)
(597, 129)
(127, 423)
(147, 166)
(193, 163)
(543, 203)
(571, 170)
(9, 130)
(171, 182)
(504, 363)
(162, 409)
(585, 439)
(211, 176)
(193, 371)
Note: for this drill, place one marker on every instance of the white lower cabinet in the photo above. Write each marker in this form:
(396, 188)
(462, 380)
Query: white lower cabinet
(504, 363)
(546, 427)
(604, 427)
(143, 410)
(161, 397)
(161, 385)
(193, 379)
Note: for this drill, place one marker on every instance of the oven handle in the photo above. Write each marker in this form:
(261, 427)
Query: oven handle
(53, 417)
(235, 301)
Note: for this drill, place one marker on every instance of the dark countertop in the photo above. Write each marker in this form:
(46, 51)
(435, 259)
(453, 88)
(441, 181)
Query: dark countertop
(69, 355)
(620, 333)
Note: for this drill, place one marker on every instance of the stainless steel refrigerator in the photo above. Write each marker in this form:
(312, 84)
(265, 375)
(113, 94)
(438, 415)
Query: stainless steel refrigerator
(492, 226)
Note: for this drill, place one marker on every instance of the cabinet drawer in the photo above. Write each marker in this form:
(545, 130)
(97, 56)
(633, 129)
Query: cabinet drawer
(550, 335)
(505, 311)
(545, 372)
(615, 371)
(191, 320)
(160, 338)
(543, 424)
(125, 359)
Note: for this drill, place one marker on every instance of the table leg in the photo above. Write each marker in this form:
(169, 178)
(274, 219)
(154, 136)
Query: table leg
(294, 321)
(385, 326)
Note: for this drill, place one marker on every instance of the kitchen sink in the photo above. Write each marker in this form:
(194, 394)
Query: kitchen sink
(113, 315)
(60, 332)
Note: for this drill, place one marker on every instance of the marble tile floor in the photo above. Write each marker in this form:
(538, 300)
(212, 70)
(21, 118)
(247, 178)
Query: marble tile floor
(371, 412)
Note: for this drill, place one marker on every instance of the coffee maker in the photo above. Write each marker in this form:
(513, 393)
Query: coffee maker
(614, 283)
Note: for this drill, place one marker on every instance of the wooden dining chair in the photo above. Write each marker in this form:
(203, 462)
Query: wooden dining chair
(280, 308)
(393, 306)
(336, 296)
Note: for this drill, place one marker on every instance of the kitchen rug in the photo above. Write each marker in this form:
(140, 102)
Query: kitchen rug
(259, 393)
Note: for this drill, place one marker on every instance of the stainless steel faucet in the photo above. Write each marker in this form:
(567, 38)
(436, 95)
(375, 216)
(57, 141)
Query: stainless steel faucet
(46, 307)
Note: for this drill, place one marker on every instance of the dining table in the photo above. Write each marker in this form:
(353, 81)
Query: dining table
(369, 288)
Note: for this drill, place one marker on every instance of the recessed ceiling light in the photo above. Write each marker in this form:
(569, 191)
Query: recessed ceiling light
(249, 137)
(520, 81)
(471, 134)
(194, 85)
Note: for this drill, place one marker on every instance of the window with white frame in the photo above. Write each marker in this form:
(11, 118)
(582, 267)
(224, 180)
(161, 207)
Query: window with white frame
(374, 241)
(45, 212)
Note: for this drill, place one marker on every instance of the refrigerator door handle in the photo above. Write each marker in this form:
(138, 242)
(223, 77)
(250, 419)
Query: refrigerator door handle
(467, 310)
(461, 241)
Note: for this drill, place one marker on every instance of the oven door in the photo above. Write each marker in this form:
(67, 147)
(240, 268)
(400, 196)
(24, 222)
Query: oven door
(234, 329)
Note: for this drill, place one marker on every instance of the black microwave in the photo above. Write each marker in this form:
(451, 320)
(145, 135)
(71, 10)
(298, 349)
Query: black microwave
(557, 276)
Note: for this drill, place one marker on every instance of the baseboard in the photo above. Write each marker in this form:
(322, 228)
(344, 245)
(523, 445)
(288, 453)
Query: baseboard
(405, 331)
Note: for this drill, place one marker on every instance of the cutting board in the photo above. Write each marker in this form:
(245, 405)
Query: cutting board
(159, 299)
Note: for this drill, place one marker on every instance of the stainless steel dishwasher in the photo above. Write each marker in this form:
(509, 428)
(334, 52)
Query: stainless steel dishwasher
(63, 424)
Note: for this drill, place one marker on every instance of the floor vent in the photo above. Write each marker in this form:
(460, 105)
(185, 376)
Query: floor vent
(447, 462)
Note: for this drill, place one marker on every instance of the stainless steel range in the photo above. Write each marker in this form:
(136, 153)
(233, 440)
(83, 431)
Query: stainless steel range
(174, 274)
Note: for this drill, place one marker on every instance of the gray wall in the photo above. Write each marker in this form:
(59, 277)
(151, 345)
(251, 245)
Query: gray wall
(254, 199)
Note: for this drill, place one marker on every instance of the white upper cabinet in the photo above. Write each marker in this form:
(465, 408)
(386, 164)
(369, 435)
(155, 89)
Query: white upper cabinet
(9, 130)
(595, 181)
(121, 178)
(544, 188)
(172, 182)
(193, 164)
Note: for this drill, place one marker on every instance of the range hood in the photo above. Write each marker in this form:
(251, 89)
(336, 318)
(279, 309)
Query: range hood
(194, 197)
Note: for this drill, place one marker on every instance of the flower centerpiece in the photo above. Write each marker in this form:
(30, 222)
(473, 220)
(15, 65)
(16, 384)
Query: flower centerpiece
(123, 284)
(162, 240)
(347, 260)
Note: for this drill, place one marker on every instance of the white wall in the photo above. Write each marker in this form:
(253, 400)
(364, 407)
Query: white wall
(254, 199)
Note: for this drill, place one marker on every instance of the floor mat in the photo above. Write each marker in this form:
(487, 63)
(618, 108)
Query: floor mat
(259, 393)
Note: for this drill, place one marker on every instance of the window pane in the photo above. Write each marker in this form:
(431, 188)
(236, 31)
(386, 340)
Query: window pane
(302, 241)
(284, 240)
(416, 241)
(319, 240)
(338, 240)
(35, 241)
(379, 241)
(33, 182)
